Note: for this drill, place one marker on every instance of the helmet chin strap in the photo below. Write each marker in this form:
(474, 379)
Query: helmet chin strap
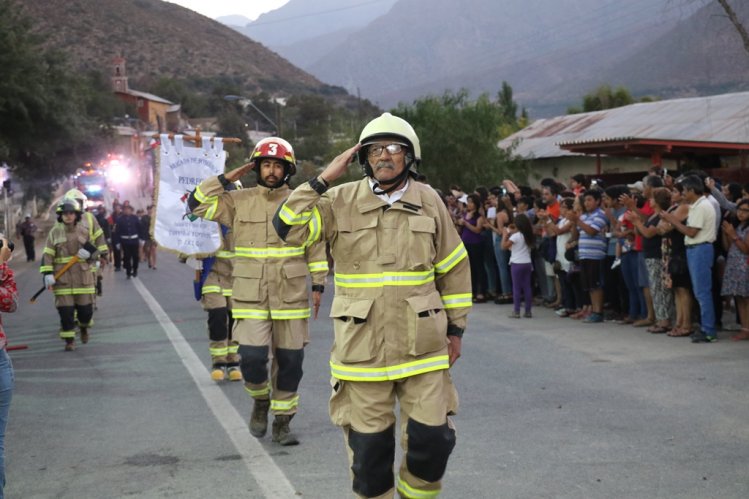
(394, 183)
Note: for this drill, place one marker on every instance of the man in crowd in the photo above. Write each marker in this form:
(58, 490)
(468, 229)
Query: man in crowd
(27, 231)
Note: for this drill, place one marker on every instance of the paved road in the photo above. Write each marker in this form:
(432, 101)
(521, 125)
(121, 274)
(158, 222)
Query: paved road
(550, 408)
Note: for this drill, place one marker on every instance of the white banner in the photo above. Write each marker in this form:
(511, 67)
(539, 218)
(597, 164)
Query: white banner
(181, 169)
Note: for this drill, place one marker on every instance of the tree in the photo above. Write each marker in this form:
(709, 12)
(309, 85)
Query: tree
(604, 97)
(49, 118)
(459, 139)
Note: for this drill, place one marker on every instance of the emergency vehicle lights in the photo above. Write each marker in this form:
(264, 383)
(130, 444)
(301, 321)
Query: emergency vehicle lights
(118, 173)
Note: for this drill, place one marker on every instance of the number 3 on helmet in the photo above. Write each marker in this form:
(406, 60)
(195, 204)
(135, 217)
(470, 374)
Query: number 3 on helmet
(275, 148)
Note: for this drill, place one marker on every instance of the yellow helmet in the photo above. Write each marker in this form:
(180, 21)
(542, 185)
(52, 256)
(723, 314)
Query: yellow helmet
(78, 196)
(385, 126)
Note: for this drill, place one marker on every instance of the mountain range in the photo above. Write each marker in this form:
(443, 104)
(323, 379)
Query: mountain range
(551, 52)
(161, 39)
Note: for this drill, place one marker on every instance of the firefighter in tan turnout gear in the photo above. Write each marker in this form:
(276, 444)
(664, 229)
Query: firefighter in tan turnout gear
(402, 294)
(74, 291)
(215, 295)
(270, 299)
(89, 222)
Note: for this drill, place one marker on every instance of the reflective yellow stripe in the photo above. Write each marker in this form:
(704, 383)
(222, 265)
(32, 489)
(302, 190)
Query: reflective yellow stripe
(258, 393)
(457, 301)
(103, 248)
(96, 235)
(282, 252)
(225, 254)
(210, 289)
(74, 291)
(286, 315)
(318, 266)
(202, 198)
(219, 352)
(389, 373)
(233, 348)
(284, 405)
(49, 251)
(452, 259)
(63, 259)
(315, 226)
(384, 279)
(407, 491)
(264, 315)
(226, 292)
(291, 218)
(67, 334)
(250, 313)
(46, 268)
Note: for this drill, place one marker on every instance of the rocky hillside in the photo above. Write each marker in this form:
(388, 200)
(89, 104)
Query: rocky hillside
(162, 39)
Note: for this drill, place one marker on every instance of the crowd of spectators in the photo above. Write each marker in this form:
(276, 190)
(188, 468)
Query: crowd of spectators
(668, 254)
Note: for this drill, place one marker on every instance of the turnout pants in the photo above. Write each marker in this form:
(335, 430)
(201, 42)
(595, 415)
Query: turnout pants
(223, 348)
(365, 412)
(74, 309)
(282, 342)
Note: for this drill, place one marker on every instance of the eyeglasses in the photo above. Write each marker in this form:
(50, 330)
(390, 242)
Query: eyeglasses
(375, 150)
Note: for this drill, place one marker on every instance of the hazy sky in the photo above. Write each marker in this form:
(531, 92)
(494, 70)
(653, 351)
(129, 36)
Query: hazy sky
(217, 8)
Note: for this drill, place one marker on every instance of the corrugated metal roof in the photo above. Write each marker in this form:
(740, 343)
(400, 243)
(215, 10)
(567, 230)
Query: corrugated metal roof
(719, 118)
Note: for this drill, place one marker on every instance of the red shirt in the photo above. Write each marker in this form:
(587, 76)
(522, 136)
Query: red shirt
(646, 210)
(8, 297)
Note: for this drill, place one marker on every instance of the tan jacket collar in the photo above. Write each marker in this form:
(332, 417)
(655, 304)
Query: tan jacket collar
(367, 201)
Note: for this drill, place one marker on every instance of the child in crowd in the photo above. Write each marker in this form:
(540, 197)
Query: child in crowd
(519, 239)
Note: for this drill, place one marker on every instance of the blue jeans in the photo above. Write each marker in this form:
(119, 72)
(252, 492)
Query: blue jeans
(503, 263)
(6, 393)
(700, 263)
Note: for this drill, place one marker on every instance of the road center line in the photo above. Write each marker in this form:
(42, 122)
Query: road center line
(266, 473)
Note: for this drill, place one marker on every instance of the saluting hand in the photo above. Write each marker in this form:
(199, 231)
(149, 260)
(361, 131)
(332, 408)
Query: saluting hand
(236, 174)
(339, 165)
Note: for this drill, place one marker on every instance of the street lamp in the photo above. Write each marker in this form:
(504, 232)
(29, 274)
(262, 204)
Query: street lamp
(244, 102)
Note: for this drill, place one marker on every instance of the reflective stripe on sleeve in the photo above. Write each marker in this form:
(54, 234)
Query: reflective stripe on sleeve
(452, 259)
(225, 254)
(389, 373)
(49, 251)
(315, 227)
(46, 268)
(321, 266)
(210, 289)
(290, 218)
(457, 301)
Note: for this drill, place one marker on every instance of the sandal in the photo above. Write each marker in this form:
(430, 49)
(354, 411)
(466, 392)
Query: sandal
(679, 332)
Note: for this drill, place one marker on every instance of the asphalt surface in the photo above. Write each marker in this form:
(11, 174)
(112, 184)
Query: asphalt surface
(550, 408)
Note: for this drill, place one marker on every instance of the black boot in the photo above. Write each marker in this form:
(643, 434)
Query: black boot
(259, 418)
(281, 431)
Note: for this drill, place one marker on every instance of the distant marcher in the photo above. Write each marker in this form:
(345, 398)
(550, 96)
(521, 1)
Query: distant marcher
(27, 231)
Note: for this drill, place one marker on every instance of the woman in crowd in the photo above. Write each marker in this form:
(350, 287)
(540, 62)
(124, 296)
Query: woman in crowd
(519, 239)
(676, 274)
(736, 278)
(663, 301)
(503, 218)
(472, 224)
(562, 232)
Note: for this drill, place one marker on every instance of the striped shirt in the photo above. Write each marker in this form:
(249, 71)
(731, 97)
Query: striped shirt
(593, 247)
